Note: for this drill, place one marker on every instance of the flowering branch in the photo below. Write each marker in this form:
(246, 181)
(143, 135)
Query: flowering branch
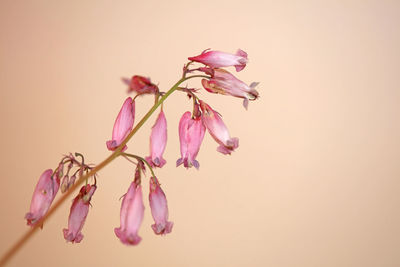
(192, 127)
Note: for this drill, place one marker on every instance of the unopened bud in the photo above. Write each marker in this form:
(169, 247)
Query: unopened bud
(60, 171)
(71, 180)
(65, 184)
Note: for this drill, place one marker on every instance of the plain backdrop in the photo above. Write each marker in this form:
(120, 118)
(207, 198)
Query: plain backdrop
(315, 181)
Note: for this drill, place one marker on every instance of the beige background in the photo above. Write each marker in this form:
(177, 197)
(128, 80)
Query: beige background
(316, 179)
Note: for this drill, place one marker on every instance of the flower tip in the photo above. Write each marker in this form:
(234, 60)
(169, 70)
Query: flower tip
(112, 146)
(196, 164)
(30, 219)
(179, 162)
(246, 103)
(69, 237)
(241, 53)
(240, 67)
(129, 240)
(160, 229)
(126, 81)
(230, 146)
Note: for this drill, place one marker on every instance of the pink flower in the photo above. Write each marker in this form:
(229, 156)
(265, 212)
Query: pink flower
(216, 127)
(159, 209)
(141, 85)
(45, 191)
(123, 124)
(223, 82)
(217, 59)
(191, 134)
(158, 141)
(132, 210)
(77, 216)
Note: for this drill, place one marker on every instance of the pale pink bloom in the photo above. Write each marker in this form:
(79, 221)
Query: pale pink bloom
(123, 124)
(158, 141)
(78, 212)
(45, 191)
(132, 211)
(191, 134)
(216, 127)
(217, 59)
(223, 82)
(159, 209)
(141, 85)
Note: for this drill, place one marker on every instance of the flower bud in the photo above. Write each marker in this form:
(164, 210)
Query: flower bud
(71, 181)
(64, 184)
(141, 85)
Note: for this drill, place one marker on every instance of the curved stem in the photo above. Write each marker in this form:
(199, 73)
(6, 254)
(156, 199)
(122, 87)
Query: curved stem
(25, 237)
(142, 159)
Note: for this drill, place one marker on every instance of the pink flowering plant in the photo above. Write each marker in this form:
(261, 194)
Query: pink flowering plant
(72, 172)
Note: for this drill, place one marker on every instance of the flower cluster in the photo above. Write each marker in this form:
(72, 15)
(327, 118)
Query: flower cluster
(63, 177)
(192, 128)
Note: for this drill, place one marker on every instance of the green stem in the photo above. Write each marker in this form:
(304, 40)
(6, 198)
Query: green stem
(142, 159)
(25, 237)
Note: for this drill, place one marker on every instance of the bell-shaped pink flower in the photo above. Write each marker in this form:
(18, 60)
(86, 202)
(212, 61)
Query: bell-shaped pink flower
(123, 124)
(77, 216)
(191, 134)
(216, 127)
(45, 191)
(217, 59)
(132, 211)
(223, 82)
(159, 209)
(141, 85)
(158, 141)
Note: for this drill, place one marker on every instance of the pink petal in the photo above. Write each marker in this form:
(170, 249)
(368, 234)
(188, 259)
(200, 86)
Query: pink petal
(218, 59)
(159, 209)
(191, 134)
(123, 124)
(132, 211)
(217, 129)
(44, 194)
(158, 141)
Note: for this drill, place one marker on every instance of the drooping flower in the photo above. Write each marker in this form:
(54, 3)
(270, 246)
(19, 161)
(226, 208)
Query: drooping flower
(223, 82)
(216, 127)
(191, 134)
(159, 208)
(217, 59)
(45, 191)
(123, 124)
(141, 85)
(78, 213)
(132, 211)
(158, 141)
